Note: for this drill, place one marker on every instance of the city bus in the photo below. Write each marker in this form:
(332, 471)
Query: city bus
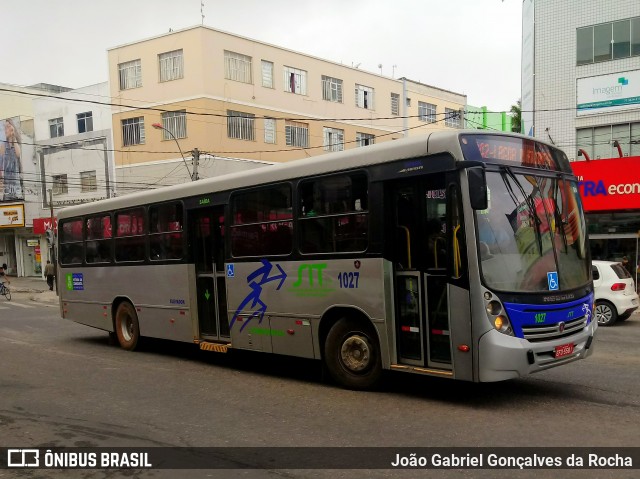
(459, 254)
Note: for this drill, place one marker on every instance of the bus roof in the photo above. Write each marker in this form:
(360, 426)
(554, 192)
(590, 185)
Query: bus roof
(434, 142)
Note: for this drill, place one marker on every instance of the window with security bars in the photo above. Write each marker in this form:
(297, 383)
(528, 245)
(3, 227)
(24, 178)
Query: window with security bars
(133, 131)
(240, 126)
(364, 97)
(88, 181)
(85, 122)
(297, 134)
(426, 112)
(267, 74)
(364, 139)
(333, 139)
(331, 89)
(395, 104)
(269, 130)
(60, 185)
(174, 122)
(56, 127)
(452, 118)
(237, 67)
(295, 80)
(130, 74)
(171, 65)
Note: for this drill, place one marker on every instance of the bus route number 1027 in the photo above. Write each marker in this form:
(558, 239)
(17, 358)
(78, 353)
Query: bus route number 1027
(348, 280)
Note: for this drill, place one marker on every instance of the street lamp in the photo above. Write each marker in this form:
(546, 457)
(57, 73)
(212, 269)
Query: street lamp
(158, 126)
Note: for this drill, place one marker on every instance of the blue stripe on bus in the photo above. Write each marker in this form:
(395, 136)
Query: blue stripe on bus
(527, 315)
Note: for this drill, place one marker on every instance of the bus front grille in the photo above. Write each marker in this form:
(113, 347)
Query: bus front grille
(544, 332)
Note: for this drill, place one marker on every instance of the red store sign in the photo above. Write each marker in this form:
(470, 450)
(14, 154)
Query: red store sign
(40, 225)
(611, 184)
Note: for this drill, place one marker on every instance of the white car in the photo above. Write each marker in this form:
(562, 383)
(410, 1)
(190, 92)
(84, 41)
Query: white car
(615, 292)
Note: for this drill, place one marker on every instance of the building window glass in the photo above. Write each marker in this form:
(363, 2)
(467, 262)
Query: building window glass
(331, 89)
(171, 65)
(130, 74)
(364, 97)
(267, 74)
(395, 104)
(295, 80)
(608, 41)
(56, 127)
(88, 181)
(269, 130)
(85, 122)
(237, 67)
(60, 185)
(176, 123)
(133, 131)
(240, 126)
(364, 139)
(452, 118)
(426, 112)
(297, 134)
(333, 139)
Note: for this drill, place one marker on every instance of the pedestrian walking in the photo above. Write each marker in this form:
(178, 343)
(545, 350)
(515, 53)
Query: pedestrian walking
(49, 273)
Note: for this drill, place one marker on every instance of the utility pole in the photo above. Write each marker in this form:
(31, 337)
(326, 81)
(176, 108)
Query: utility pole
(53, 243)
(196, 159)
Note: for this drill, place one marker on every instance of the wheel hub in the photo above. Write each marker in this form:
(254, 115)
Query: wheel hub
(355, 353)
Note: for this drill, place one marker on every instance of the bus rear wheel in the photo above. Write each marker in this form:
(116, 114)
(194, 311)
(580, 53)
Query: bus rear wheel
(127, 327)
(352, 354)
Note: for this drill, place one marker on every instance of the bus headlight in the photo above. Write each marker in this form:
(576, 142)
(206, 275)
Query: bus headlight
(502, 324)
(494, 308)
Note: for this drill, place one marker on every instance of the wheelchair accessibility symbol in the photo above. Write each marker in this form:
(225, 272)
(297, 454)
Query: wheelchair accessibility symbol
(231, 272)
(552, 280)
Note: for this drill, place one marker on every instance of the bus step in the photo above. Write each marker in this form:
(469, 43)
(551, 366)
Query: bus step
(215, 347)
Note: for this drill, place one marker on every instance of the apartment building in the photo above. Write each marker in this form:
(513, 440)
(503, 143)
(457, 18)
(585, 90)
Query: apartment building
(235, 98)
(581, 91)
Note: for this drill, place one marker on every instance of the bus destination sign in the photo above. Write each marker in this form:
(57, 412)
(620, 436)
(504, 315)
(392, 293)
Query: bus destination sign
(520, 151)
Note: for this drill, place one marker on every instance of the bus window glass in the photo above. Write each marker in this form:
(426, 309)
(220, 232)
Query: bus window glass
(130, 239)
(165, 238)
(333, 214)
(98, 234)
(261, 222)
(70, 242)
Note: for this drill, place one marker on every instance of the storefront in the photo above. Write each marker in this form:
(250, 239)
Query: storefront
(610, 190)
(11, 223)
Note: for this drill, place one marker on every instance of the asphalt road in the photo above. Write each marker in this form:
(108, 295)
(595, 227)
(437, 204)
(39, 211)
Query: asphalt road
(63, 384)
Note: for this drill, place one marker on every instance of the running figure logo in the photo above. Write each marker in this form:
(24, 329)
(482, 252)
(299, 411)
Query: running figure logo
(261, 277)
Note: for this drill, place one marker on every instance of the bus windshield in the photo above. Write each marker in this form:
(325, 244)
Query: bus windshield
(531, 238)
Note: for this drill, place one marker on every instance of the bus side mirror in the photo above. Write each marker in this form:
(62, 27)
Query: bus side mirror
(477, 188)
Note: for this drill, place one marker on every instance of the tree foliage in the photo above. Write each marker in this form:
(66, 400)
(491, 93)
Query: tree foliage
(516, 117)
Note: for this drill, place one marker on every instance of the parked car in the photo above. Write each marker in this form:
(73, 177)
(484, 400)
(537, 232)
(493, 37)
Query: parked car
(615, 292)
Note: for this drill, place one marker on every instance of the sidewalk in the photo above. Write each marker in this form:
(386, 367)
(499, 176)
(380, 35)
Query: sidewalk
(36, 286)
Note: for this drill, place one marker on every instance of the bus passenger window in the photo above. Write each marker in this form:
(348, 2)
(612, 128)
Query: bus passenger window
(165, 239)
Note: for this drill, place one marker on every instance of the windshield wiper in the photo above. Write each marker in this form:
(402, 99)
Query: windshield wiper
(528, 201)
(557, 215)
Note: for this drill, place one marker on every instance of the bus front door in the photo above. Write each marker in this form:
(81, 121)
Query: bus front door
(420, 254)
(207, 248)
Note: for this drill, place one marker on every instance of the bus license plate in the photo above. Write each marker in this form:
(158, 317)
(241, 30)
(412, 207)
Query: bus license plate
(563, 350)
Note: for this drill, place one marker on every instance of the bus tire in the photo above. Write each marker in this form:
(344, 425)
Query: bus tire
(127, 327)
(606, 313)
(352, 354)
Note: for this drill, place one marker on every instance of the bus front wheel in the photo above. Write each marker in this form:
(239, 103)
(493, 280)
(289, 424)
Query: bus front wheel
(352, 354)
(127, 327)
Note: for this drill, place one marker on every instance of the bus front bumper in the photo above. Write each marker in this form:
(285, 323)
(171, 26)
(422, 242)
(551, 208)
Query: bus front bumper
(504, 357)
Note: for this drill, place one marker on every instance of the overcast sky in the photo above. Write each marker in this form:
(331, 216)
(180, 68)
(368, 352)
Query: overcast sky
(466, 46)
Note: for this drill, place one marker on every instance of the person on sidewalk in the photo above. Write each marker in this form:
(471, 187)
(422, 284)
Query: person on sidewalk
(49, 273)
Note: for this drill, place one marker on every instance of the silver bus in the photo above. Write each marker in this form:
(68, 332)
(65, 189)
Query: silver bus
(460, 254)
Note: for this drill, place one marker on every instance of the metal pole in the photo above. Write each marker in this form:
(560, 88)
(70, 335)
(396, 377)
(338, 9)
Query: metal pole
(53, 243)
